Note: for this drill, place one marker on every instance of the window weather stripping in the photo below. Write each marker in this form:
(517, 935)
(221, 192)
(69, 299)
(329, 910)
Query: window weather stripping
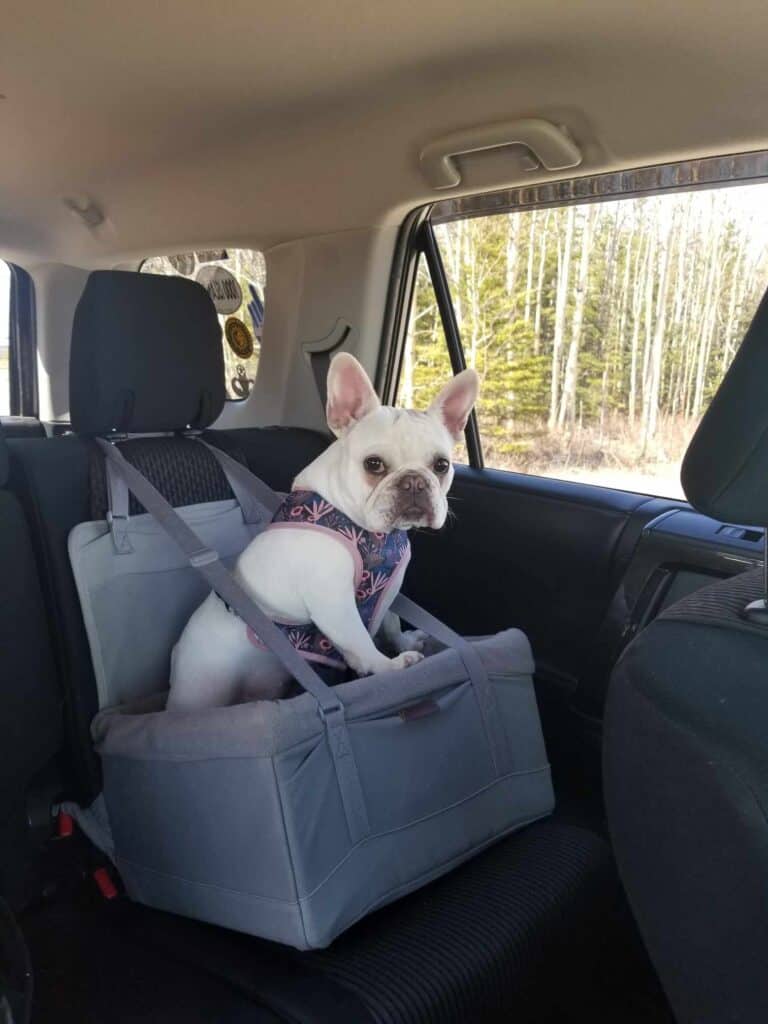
(686, 175)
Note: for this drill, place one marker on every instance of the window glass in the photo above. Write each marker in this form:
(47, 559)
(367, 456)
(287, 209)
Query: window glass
(426, 364)
(5, 320)
(236, 281)
(600, 330)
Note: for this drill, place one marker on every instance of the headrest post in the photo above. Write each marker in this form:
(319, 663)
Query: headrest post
(757, 611)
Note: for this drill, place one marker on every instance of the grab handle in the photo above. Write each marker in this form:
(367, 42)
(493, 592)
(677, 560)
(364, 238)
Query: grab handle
(550, 145)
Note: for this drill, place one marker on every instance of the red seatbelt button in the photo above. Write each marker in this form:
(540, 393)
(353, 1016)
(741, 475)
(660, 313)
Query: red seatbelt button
(106, 885)
(66, 825)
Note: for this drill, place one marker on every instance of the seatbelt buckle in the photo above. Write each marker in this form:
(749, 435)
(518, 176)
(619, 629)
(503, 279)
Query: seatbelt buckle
(104, 883)
(332, 715)
(115, 521)
(65, 825)
(334, 720)
(203, 557)
(118, 527)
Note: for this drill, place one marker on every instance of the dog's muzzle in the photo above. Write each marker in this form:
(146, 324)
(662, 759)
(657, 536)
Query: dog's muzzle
(414, 496)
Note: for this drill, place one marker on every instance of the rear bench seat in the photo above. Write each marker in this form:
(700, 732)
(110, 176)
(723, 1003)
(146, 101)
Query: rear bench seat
(30, 703)
(511, 932)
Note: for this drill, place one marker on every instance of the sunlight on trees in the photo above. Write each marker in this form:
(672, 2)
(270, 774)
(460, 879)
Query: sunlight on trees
(600, 331)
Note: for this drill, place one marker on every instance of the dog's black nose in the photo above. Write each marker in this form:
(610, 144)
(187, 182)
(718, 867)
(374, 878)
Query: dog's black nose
(411, 483)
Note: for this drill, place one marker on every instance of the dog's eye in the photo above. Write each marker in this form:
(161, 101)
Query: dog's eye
(441, 465)
(373, 464)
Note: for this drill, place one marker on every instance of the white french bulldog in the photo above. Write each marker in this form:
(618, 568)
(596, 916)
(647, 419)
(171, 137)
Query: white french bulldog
(332, 561)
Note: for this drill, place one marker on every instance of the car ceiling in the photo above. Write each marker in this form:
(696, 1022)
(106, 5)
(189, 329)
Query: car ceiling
(193, 124)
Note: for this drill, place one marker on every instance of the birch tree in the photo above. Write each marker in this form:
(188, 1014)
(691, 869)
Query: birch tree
(568, 398)
(563, 279)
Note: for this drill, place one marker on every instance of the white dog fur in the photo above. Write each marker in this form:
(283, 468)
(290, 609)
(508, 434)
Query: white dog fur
(301, 576)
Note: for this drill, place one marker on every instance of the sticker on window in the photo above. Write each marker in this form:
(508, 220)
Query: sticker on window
(223, 287)
(236, 287)
(239, 338)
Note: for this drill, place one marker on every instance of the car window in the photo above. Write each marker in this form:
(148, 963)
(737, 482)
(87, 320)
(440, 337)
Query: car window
(236, 281)
(5, 321)
(600, 330)
(426, 365)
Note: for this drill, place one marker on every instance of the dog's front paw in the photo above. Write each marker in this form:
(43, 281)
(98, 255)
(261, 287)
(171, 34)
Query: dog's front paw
(406, 659)
(412, 640)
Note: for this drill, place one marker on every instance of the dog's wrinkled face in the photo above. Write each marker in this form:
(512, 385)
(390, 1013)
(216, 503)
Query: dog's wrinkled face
(394, 468)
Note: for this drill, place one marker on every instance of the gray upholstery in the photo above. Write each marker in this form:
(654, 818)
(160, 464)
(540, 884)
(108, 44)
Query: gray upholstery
(350, 803)
(272, 855)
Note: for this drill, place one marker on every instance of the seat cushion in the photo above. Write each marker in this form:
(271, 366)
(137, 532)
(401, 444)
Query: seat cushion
(30, 712)
(514, 934)
(30, 703)
(50, 476)
(686, 784)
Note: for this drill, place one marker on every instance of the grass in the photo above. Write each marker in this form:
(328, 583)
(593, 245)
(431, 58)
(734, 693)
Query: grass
(612, 455)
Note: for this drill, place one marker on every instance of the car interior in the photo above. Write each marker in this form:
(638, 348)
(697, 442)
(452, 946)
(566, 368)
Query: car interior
(569, 199)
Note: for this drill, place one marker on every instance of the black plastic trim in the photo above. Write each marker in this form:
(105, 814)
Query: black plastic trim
(431, 250)
(402, 283)
(22, 335)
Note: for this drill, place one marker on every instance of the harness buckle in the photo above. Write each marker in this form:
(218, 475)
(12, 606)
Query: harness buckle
(332, 715)
(203, 557)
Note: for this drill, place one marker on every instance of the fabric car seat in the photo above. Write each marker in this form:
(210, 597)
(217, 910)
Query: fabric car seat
(686, 738)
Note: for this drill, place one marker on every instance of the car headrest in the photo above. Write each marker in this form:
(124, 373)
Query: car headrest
(146, 355)
(4, 467)
(725, 470)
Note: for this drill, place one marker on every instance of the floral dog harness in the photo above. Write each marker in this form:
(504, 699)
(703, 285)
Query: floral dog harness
(380, 560)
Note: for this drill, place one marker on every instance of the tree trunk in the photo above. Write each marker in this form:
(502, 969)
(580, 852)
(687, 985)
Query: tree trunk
(708, 320)
(640, 270)
(624, 294)
(529, 272)
(406, 396)
(563, 278)
(540, 286)
(657, 348)
(513, 258)
(568, 399)
(471, 275)
(648, 291)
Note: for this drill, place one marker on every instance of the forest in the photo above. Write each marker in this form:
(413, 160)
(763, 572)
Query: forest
(600, 331)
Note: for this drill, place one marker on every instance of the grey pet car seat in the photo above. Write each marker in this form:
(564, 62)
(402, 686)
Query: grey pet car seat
(287, 819)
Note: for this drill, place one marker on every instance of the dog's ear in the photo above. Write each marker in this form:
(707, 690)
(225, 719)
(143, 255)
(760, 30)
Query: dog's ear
(350, 393)
(454, 403)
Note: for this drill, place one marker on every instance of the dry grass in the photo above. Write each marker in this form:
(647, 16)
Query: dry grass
(612, 455)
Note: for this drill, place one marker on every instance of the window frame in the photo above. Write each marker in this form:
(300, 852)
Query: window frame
(23, 397)
(417, 238)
